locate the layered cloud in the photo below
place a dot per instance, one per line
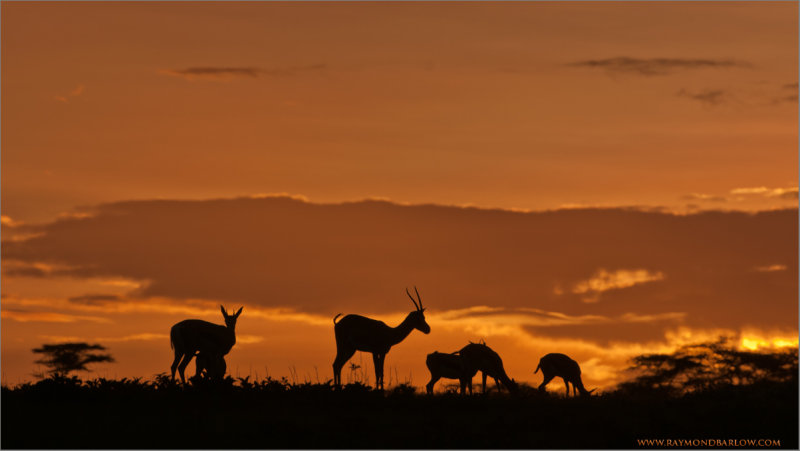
(771, 268)
(274, 255)
(704, 197)
(224, 73)
(94, 298)
(658, 66)
(707, 96)
(789, 93)
(77, 91)
(759, 195)
(6, 221)
(783, 193)
(111, 339)
(25, 316)
(604, 280)
(732, 93)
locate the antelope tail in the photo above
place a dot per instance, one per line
(537, 367)
(334, 318)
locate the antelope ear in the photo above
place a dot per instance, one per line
(224, 313)
(239, 312)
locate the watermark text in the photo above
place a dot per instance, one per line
(708, 443)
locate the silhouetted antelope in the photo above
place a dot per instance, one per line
(212, 363)
(359, 333)
(448, 366)
(479, 357)
(192, 335)
(560, 365)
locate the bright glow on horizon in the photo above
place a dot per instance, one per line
(549, 186)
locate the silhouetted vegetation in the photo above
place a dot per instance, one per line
(66, 412)
(64, 358)
(707, 366)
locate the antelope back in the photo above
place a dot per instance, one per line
(478, 356)
(562, 366)
(483, 358)
(197, 335)
(445, 365)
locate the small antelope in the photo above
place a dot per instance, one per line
(359, 333)
(212, 363)
(192, 335)
(479, 357)
(448, 366)
(560, 365)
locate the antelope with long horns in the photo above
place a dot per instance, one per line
(359, 333)
(192, 335)
(559, 365)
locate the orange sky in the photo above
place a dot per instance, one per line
(539, 108)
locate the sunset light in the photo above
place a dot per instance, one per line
(755, 344)
(611, 181)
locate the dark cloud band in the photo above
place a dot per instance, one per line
(657, 66)
(209, 72)
(359, 257)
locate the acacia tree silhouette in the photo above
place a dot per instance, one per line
(64, 358)
(707, 366)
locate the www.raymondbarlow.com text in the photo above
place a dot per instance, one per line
(711, 443)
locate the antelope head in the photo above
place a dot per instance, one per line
(417, 317)
(230, 320)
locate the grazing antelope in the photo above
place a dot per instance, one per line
(192, 335)
(359, 333)
(560, 365)
(212, 363)
(479, 357)
(448, 366)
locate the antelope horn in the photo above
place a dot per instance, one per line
(419, 298)
(412, 299)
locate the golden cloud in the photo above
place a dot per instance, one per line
(604, 280)
(245, 339)
(124, 338)
(49, 317)
(771, 268)
(8, 222)
(75, 92)
(783, 193)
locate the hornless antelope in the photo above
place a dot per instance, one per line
(479, 357)
(359, 333)
(192, 335)
(560, 365)
(448, 366)
(212, 363)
